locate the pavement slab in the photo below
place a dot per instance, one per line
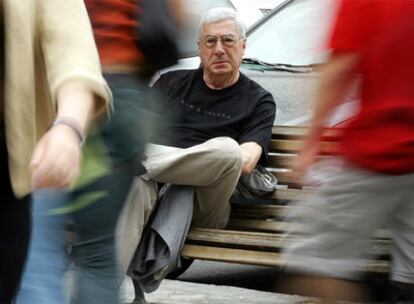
(179, 292)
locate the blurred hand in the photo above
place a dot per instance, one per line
(56, 160)
(306, 158)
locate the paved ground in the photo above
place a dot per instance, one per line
(178, 292)
(181, 292)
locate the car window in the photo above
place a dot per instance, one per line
(294, 35)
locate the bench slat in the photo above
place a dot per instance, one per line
(258, 240)
(300, 132)
(261, 258)
(254, 240)
(293, 146)
(289, 131)
(280, 226)
(281, 161)
(231, 255)
(264, 211)
(259, 225)
(285, 194)
(291, 194)
(285, 161)
(286, 178)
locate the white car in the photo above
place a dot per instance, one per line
(265, 6)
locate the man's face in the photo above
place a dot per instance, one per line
(221, 48)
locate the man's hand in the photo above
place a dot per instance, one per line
(56, 159)
(251, 153)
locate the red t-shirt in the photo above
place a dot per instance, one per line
(381, 137)
(114, 24)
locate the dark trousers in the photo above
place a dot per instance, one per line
(14, 232)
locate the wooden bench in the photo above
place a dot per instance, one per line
(256, 231)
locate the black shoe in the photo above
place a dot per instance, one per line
(139, 301)
(139, 294)
(400, 295)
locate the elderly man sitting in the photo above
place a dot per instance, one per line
(221, 129)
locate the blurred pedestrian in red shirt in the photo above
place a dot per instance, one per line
(372, 181)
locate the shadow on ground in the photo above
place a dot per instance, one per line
(269, 278)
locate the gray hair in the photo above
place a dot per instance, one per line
(218, 14)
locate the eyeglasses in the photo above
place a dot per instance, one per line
(226, 40)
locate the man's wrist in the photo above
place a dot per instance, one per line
(73, 124)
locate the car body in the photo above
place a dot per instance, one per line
(266, 6)
(285, 52)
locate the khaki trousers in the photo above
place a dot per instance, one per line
(213, 167)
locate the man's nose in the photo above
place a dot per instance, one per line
(219, 48)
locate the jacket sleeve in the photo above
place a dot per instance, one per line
(69, 49)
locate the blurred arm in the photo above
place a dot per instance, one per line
(178, 11)
(76, 86)
(336, 77)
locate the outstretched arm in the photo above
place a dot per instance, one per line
(336, 77)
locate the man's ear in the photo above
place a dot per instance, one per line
(244, 45)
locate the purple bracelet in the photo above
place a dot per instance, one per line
(71, 123)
